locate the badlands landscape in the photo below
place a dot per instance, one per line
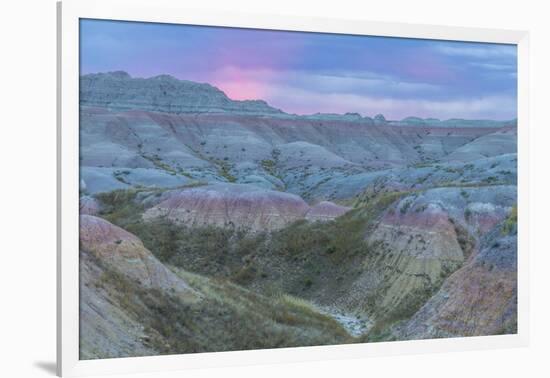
(209, 224)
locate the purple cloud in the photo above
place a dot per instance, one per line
(315, 72)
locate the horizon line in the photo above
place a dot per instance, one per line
(362, 115)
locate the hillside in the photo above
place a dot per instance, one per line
(209, 224)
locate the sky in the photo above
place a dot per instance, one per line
(306, 73)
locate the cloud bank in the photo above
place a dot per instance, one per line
(306, 73)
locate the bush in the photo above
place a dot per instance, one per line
(225, 171)
(511, 222)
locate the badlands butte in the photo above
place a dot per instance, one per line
(209, 224)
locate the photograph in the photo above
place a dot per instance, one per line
(246, 189)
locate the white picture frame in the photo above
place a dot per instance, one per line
(165, 11)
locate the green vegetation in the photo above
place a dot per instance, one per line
(297, 259)
(465, 240)
(377, 264)
(120, 207)
(158, 163)
(385, 322)
(227, 317)
(209, 250)
(511, 222)
(225, 171)
(306, 259)
(183, 173)
(231, 253)
(269, 166)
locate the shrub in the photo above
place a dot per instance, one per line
(224, 171)
(511, 222)
(245, 275)
(269, 166)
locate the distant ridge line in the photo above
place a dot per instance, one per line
(118, 90)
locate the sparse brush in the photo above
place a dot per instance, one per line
(511, 222)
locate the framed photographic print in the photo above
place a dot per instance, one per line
(240, 189)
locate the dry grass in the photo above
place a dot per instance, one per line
(237, 310)
(227, 317)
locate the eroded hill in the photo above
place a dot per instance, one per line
(210, 224)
